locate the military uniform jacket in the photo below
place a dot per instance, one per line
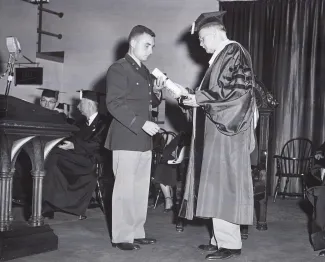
(129, 99)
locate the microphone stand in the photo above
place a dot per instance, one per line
(10, 71)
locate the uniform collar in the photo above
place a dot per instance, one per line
(132, 61)
(143, 71)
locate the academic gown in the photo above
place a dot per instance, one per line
(321, 162)
(219, 181)
(70, 174)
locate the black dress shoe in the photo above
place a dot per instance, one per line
(208, 248)
(322, 253)
(126, 246)
(144, 241)
(224, 253)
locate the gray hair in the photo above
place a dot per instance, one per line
(92, 104)
(216, 25)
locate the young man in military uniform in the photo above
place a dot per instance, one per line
(131, 95)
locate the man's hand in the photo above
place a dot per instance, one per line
(150, 128)
(58, 110)
(190, 101)
(318, 156)
(184, 91)
(67, 145)
(159, 84)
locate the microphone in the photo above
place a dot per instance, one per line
(13, 46)
(14, 50)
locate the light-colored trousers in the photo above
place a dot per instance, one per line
(130, 194)
(226, 234)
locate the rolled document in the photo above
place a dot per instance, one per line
(170, 85)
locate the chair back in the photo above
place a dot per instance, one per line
(296, 157)
(160, 141)
(181, 154)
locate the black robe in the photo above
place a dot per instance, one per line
(219, 181)
(70, 177)
(321, 162)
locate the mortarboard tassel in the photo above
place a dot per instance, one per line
(193, 28)
(80, 94)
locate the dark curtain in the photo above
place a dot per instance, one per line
(286, 39)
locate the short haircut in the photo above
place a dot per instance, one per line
(215, 25)
(139, 30)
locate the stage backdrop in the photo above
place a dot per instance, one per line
(286, 40)
(94, 36)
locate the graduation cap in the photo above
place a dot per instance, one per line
(206, 19)
(50, 92)
(91, 95)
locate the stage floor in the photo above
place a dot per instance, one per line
(88, 240)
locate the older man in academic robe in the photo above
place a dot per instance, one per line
(224, 118)
(70, 169)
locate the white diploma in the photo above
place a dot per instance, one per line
(170, 85)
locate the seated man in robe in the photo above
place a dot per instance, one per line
(70, 168)
(319, 162)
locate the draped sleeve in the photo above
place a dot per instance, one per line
(228, 102)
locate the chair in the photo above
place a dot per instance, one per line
(322, 172)
(98, 190)
(259, 188)
(160, 142)
(181, 154)
(295, 161)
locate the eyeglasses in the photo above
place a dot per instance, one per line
(51, 102)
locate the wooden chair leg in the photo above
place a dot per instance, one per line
(277, 188)
(285, 188)
(303, 185)
(180, 225)
(261, 223)
(244, 232)
(99, 197)
(157, 198)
